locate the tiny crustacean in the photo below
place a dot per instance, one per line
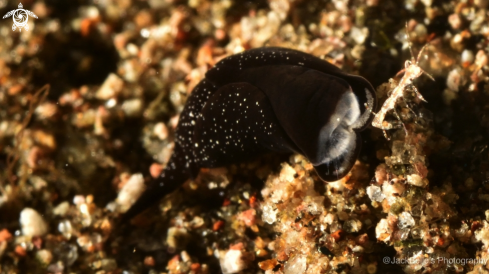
(411, 71)
(267, 99)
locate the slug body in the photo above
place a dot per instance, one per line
(267, 99)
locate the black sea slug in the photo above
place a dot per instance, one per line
(267, 99)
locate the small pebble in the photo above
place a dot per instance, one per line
(130, 192)
(467, 57)
(359, 34)
(149, 261)
(61, 209)
(455, 79)
(177, 237)
(161, 131)
(78, 200)
(416, 180)
(32, 223)
(232, 262)
(455, 21)
(65, 228)
(44, 256)
(405, 220)
(132, 107)
(155, 170)
(296, 265)
(110, 88)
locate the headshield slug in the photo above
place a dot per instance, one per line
(267, 99)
